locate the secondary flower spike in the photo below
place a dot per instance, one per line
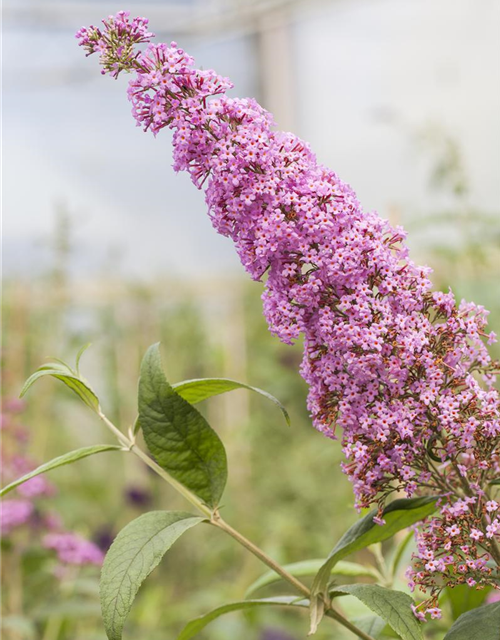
(401, 371)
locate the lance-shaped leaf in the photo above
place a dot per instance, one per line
(316, 613)
(69, 377)
(196, 625)
(483, 623)
(310, 568)
(60, 461)
(398, 515)
(136, 551)
(463, 598)
(394, 607)
(79, 355)
(195, 391)
(180, 439)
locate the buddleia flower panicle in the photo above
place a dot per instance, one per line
(116, 42)
(400, 372)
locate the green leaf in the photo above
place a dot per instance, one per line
(178, 436)
(63, 373)
(372, 625)
(196, 625)
(394, 607)
(79, 355)
(136, 551)
(397, 515)
(401, 548)
(495, 481)
(137, 426)
(483, 623)
(195, 391)
(463, 598)
(60, 461)
(310, 568)
(316, 613)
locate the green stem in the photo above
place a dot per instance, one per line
(218, 522)
(283, 573)
(215, 519)
(122, 438)
(335, 615)
(129, 444)
(190, 497)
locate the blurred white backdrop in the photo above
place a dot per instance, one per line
(361, 80)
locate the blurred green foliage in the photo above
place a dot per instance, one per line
(285, 487)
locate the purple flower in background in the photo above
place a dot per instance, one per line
(138, 497)
(4, 421)
(38, 486)
(73, 549)
(9, 407)
(52, 521)
(15, 405)
(14, 513)
(401, 370)
(17, 464)
(104, 537)
(70, 548)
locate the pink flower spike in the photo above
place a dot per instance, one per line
(73, 549)
(398, 371)
(14, 513)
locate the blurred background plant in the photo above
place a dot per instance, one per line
(85, 281)
(44, 564)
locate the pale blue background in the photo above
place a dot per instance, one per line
(368, 76)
